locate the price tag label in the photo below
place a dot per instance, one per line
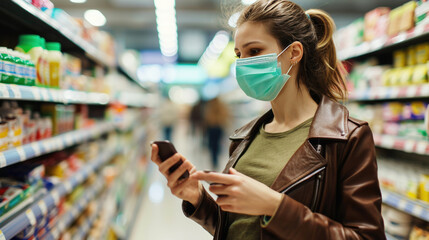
(60, 144)
(36, 148)
(419, 30)
(388, 142)
(2, 237)
(425, 90)
(409, 145)
(36, 93)
(30, 215)
(412, 91)
(4, 92)
(56, 196)
(21, 153)
(3, 162)
(68, 186)
(421, 147)
(395, 92)
(47, 145)
(69, 139)
(43, 207)
(45, 94)
(417, 210)
(402, 204)
(16, 91)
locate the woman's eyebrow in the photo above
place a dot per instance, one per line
(247, 44)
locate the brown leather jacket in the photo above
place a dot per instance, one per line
(330, 183)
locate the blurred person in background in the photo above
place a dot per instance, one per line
(216, 118)
(196, 118)
(305, 169)
(169, 114)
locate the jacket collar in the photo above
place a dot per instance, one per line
(329, 122)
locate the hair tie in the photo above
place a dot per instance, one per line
(308, 15)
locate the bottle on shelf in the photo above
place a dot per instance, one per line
(54, 60)
(32, 45)
(43, 65)
(6, 76)
(4, 134)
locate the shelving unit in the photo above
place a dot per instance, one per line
(390, 93)
(53, 144)
(385, 44)
(418, 209)
(28, 218)
(32, 18)
(402, 144)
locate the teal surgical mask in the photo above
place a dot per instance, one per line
(261, 77)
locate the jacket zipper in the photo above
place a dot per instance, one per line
(303, 179)
(316, 193)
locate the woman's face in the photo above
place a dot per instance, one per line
(252, 39)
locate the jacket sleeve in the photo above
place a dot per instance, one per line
(205, 214)
(358, 207)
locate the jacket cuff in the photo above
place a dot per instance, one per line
(265, 220)
(287, 209)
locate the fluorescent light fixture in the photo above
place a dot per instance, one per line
(233, 19)
(166, 24)
(248, 2)
(95, 17)
(78, 1)
(215, 48)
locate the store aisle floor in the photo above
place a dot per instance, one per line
(160, 216)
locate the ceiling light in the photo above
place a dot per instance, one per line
(95, 17)
(78, 1)
(233, 19)
(248, 2)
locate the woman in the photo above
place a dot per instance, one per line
(305, 169)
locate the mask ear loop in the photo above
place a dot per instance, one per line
(293, 64)
(284, 50)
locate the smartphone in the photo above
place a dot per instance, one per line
(166, 150)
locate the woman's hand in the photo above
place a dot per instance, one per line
(188, 189)
(239, 193)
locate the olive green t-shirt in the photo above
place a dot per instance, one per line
(265, 158)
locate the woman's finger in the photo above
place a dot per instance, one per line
(154, 156)
(214, 177)
(220, 189)
(173, 179)
(167, 164)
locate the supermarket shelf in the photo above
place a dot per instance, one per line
(40, 94)
(60, 142)
(402, 144)
(415, 208)
(84, 230)
(36, 20)
(28, 218)
(377, 45)
(390, 93)
(71, 215)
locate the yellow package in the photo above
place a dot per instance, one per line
(395, 76)
(406, 76)
(422, 53)
(411, 56)
(394, 22)
(407, 16)
(420, 74)
(385, 78)
(399, 59)
(424, 188)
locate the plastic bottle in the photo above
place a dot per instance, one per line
(44, 65)
(31, 71)
(31, 44)
(4, 134)
(1, 62)
(7, 66)
(54, 60)
(19, 77)
(19, 124)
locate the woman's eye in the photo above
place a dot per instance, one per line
(238, 55)
(254, 52)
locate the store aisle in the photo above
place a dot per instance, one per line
(160, 215)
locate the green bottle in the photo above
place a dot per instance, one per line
(2, 62)
(9, 67)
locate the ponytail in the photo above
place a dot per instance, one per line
(324, 27)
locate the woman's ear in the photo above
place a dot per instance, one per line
(296, 52)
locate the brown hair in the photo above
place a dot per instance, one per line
(319, 71)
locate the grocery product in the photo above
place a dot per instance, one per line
(418, 233)
(31, 44)
(376, 23)
(54, 61)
